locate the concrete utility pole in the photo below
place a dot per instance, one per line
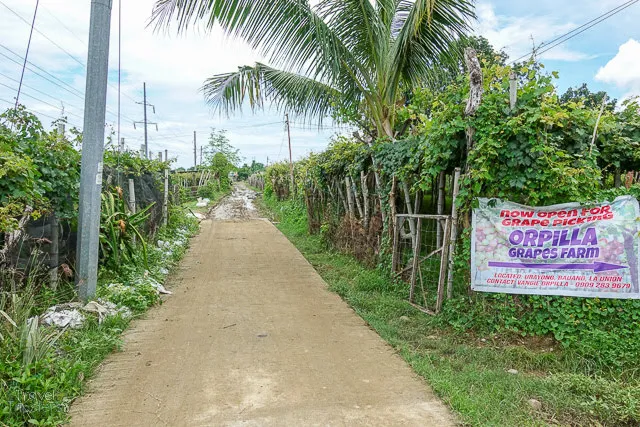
(145, 121)
(201, 155)
(95, 105)
(195, 151)
(293, 181)
(165, 201)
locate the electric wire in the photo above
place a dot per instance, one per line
(69, 54)
(40, 100)
(578, 30)
(38, 112)
(38, 91)
(67, 87)
(24, 65)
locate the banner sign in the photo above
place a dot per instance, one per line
(569, 249)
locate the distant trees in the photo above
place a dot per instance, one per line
(590, 99)
(247, 170)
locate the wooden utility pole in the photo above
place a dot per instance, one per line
(293, 181)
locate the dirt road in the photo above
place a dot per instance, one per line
(252, 337)
(238, 206)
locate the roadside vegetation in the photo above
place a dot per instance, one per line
(51, 343)
(490, 375)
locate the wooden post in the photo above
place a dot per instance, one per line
(392, 201)
(53, 253)
(132, 201)
(454, 231)
(440, 208)
(513, 90)
(595, 129)
(475, 92)
(443, 266)
(407, 201)
(396, 245)
(416, 259)
(132, 197)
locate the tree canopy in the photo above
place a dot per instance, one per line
(351, 58)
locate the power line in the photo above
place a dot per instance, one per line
(579, 30)
(24, 65)
(82, 64)
(72, 90)
(37, 112)
(41, 33)
(37, 90)
(590, 26)
(57, 82)
(39, 100)
(64, 25)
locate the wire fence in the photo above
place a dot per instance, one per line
(420, 258)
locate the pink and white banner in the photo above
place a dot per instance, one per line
(569, 249)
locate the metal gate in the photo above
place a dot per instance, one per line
(420, 257)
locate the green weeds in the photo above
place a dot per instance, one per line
(42, 369)
(467, 361)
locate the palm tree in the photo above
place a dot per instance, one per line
(352, 57)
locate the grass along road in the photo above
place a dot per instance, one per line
(470, 373)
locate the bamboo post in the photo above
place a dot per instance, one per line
(352, 212)
(454, 231)
(365, 198)
(356, 196)
(53, 252)
(595, 129)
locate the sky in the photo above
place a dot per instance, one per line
(174, 67)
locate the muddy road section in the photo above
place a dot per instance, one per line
(252, 337)
(238, 206)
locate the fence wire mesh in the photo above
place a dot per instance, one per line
(420, 251)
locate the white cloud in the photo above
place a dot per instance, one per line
(623, 70)
(516, 35)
